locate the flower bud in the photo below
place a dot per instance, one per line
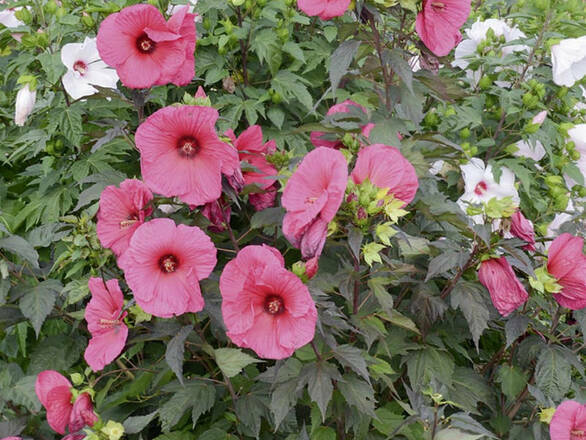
(25, 101)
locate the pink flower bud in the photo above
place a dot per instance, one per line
(506, 291)
(539, 117)
(311, 267)
(523, 229)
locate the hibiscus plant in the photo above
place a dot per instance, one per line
(292, 219)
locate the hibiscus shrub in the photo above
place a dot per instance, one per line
(319, 219)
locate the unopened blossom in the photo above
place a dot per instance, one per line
(567, 263)
(480, 185)
(265, 307)
(319, 138)
(506, 291)
(164, 264)
(568, 59)
(523, 229)
(539, 118)
(439, 22)
(324, 9)
(25, 102)
(122, 210)
(105, 317)
(312, 197)
(145, 49)
(568, 421)
(254, 151)
(85, 69)
(8, 18)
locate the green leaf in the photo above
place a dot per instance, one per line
(204, 397)
(276, 116)
(444, 262)
(580, 316)
(512, 380)
(358, 393)
(429, 364)
(52, 65)
(574, 172)
(468, 298)
(352, 357)
(384, 298)
(175, 350)
(23, 393)
(319, 384)
(70, 124)
(59, 352)
(341, 60)
(553, 373)
(39, 301)
(394, 58)
(22, 248)
(133, 425)
(267, 217)
(232, 360)
(400, 320)
(323, 433)
(283, 399)
(468, 389)
(294, 50)
(249, 409)
(171, 411)
(454, 433)
(515, 326)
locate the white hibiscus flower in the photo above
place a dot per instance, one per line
(568, 59)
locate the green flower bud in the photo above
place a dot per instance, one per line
(60, 12)
(76, 379)
(465, 133)
(561, 202)
(24, 15)
(237, 2)
(554, 181)
(87, 20)
(51, 7)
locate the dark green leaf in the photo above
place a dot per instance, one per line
(468, 297)
(175, 350)
(341, 60)
(39, 301)
(553, 373)
(22, 248)
(358, 393)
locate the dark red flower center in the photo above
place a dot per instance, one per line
(437, 6)
(129, 221)
(109, 323)
(144, 44)
(274, 305)
(188, 146)
(81, 67)
(480, 188)
(168, 263)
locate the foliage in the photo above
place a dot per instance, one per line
(408, 344)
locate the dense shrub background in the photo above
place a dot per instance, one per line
(409, 347)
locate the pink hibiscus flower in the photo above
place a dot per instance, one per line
(252, 150)
(146, 50)
(266, 307)
(181, 154)
(439, 23)
(567, 263)
(568, 421)
(385, 167)
(324, 9)
(318, 137)
(122, 210)
(105, 322)
(54, 393)
(506, 291)
(312, 197)
(523, 229)
(163, 266)
(218, 213)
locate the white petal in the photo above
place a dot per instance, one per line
(89, 51)
(577, 134)
(472, 173)
(25, 102)
(101, 75)
(535, 152)
(76, 86)
(465, 49)
(70, 54)
(8, 19)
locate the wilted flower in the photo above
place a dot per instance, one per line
(506, 291)
(54, 393)
(85, 68)
(122, 210)
(568, 59)
(104, 317)
(439, 22)
(312, 197)
(164, 264)
(568, 421)
(146, 50)
(265, 307)
(25, 101)
(567, 263)
(324, 9)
